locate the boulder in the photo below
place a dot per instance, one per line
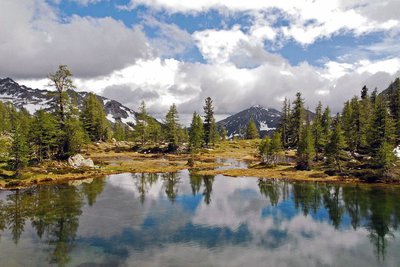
(396, 151)
(79, 161)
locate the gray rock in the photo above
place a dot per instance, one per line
(78, 161)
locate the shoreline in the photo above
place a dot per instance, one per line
(206, 163)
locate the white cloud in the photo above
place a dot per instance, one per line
(35, 41)
(122, 63)
(309, 20)
(85, 2)
(233, 88)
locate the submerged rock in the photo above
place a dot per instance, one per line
(79, 161)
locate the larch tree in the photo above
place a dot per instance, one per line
(119, 131)
(382, 129)
(251, 130)
(141, 127)
(223, 133)
(94, 119)
(317, 131)
(305, 148)
(210, 128)
(335, 147)
(196, 133)
(172, 128)
(44, 135)
(62, 81)
(20, 147)
(297, 120)
(285, 122)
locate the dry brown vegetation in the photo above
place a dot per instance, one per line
(119, 158)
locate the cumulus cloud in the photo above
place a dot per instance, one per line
(170, 40)
(122, 63)
(309, 20)
(35, 41)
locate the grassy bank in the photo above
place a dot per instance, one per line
(119, 158)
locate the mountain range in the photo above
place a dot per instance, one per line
(35, 99)
(266, 120)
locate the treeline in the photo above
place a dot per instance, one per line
(54, 134)
(362, 136)
(200, 134)
(63, 130)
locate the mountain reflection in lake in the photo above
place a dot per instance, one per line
(179, 219)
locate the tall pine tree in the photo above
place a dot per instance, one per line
(172, 128)
(335, 147)
(210, 128)
(251, 130)
(94, 119)
(196, 133)
(141, 127)
(305, 149)
(296, 120)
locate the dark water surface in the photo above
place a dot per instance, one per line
(188, 220)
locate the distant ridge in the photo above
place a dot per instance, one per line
(35, 99)
(266, 120)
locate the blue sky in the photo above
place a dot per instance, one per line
(316, 53)
(240, 53)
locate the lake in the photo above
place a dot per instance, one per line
(179, 219)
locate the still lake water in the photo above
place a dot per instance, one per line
(187, 220)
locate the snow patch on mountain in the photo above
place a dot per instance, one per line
(264, 126)
(34, 99)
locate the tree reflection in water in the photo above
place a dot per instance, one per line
(376, 209)
(54, 211)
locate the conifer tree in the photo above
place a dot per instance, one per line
(326, 123)
(223, 134)
(381, 127)
(172, 128)
(366, 113)
(364, 93)
(214, 134)
(154, 131)
(19, 148)
(285, 122)
(75, 136)
(5, 123)
(385, 158)
(297, 120)
(141, 127)
(94, 119)
(305, 149)
(373, 97)
(251, 130)
(209, 122)
(265, 151)
(44, 135)
(351, 124)
(61, 80)
(183, 136)
(196, 133)
(335, 147)
(119, 131)
(394, 104)
(317, 131)
(276, 146)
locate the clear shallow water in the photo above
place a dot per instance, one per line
(186, 220)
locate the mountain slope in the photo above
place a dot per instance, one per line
(266, 119)
(395, 85)
(35, 99)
